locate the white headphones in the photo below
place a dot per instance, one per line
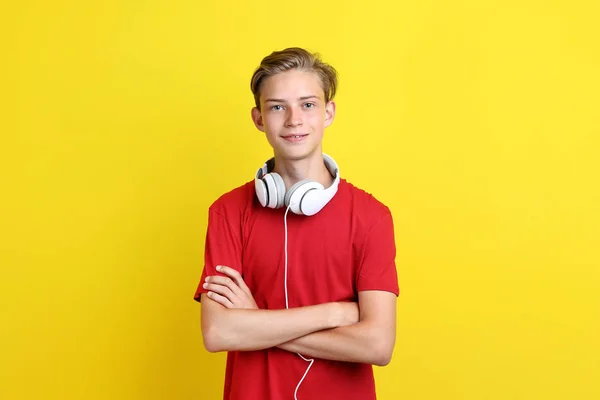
(304, 198)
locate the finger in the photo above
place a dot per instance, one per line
(222, 290)
(244, 288)
(224, 281)
(221, 280)
(220, 299)
(233, 274)
(230, 272)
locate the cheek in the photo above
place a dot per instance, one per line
(271, 120)
(318, 119)
(272, 127)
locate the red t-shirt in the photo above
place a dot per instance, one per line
(345, 248)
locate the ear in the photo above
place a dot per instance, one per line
(329, 113)
(258, 119)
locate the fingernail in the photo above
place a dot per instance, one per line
(218, 267)
(205, 285)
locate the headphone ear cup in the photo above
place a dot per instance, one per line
(280, 187)
(294, 196)
(312, 202)
(271, 190)
(261, 192)
(292, 190)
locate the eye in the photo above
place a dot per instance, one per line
(276, 107)
(309, 105)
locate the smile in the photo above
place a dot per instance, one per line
(295, 138)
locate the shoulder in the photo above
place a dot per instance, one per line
(234, 202)
(364, 205)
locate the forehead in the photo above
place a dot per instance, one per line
(291, 84)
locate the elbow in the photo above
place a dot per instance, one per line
(216, 341)
(213, 342)
(213, 326)
(212, 347)
(382, 360)
(382, 354)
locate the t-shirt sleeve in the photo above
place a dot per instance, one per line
(223, 247)
(377, 269)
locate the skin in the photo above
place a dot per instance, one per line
(293, 102)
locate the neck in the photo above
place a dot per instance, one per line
(312, 167)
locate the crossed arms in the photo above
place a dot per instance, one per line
(362, 332)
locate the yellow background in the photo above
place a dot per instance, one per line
(475, 121)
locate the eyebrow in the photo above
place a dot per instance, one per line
(283, 101)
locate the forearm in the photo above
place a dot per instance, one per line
(245, 329)
(359, 343)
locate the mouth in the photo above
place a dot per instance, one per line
(294, 138)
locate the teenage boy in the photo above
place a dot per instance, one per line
(299, 284)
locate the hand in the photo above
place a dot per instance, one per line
(230, 290)
(348, 314)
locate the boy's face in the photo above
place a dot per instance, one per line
(293, 114)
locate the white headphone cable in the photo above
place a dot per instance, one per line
(309, 360)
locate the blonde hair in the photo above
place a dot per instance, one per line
(295, 58)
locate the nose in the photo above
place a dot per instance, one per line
(293, 117)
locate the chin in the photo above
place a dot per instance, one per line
(296, 154)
